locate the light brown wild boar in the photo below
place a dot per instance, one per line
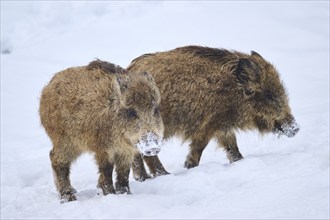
(211, 93)
(100, 108)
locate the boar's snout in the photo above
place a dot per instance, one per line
(150, 144)
(289, 128)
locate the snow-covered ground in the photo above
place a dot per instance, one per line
(278, 179)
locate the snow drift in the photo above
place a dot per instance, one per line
(279, 178)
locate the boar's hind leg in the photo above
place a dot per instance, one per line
(61, 170)
(155, 166)
(139, 171)
(105, 182)
(228, 141)
(196, 150)
(123, 166)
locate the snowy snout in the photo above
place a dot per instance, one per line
(293, 129)
(288, 129)
(150, 144)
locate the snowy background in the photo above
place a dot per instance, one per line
(278, 179)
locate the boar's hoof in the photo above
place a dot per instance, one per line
(141, 177)
(190, 164)
(122, 190)
(161, 172)
(235, 157)
(67, 196)
(106, 189)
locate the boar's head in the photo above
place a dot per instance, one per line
(139, 114)
(266, 100)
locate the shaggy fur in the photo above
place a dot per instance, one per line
(211, 93)
(98, 108)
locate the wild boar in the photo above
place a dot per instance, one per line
(211, 93)
(100, 108)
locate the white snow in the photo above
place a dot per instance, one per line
(286, 178)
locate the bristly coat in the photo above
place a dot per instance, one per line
(211, 93)
(102, 109)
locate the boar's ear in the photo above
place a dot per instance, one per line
(148, 76)
(116, 93)
(247, 73)
(255, 54)
(122, 81)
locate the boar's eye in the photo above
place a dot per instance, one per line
(249, 92)
(157, 112)
(269, 96)
(131, 113)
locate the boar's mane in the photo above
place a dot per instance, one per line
(107, 67)
(213, 54)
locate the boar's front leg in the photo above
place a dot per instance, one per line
(105, 173)
(123, 166)
(228, 141)
(155, 166)
(139, 171)
(196, 149)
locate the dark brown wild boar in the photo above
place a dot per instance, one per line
(211, 93)
(100, 108)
